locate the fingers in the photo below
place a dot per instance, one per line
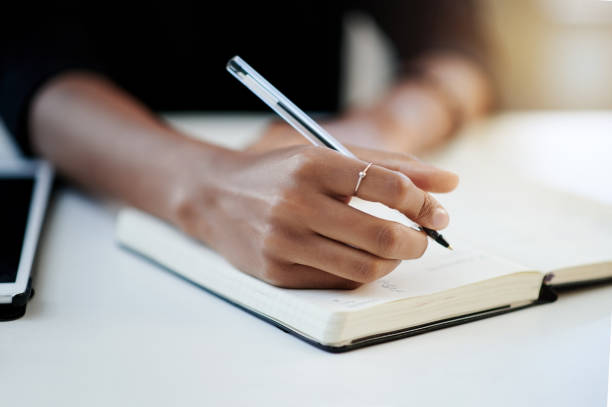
(338, 259)
(397, 191)
(310, 238)
(425, 176)
(290, 275)
(382, 238)
(389, 187)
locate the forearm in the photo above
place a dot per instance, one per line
(443, 74)
(419, 112)
(100, 137)
(424, 108)
(459, 80)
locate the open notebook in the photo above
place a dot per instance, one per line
(528, 241)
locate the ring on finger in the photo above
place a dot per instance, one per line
(362, 174)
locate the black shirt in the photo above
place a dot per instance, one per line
(172, 56)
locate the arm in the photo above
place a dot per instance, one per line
(423, 110)
(280, 215)
(442, 68)
(105, 140)
(442, 80)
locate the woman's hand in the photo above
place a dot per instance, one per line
(279, 215)
(282, 216)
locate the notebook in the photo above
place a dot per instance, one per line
(515, 244)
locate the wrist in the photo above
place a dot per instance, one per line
(198, 175)
(276, 135)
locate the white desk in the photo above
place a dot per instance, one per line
(107, 328)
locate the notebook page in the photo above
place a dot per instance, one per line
(501, 209)
(542, 228)
(439, 269)
(168, 247)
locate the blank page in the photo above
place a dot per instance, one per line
(542, 228)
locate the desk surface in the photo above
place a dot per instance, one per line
(106, 327)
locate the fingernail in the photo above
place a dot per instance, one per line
(440, 218)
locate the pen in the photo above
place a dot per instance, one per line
(297, 118)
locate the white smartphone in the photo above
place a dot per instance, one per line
(24, 193)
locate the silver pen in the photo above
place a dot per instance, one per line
(296, 117)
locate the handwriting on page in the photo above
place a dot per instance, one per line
(454, 261)
(437, 271)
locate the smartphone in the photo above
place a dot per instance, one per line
(24, 193)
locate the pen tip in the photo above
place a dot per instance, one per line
(450, 247)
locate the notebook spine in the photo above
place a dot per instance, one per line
(547, 294)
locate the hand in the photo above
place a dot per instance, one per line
(282, 216)
(359, 129)
(415, 115)
(410, 118)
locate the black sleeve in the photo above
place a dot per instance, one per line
(36, 45)
(416, 27)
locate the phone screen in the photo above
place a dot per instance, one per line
(15, 200)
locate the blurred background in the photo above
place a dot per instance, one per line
(551, 54)
(545, 54)
(547, 57)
